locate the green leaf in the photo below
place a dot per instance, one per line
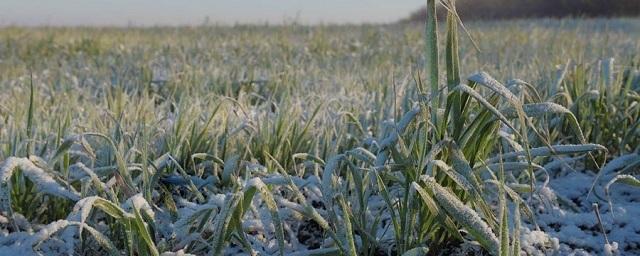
(257, 184)
(418, 251)
(221, 223)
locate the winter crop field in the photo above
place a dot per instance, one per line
(492, 138)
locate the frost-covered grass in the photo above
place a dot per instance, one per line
(321, 140)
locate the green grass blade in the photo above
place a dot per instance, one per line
(465, 216)
(256, 183)
(431, 44)
(348, 230)
(221, 223)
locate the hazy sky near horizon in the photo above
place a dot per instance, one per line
(194, 12)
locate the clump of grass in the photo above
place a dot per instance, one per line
(227, 152)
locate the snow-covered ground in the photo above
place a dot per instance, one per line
(568, 224)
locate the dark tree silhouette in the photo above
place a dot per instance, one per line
(514, 9)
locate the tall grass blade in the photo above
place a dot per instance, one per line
(465, 216)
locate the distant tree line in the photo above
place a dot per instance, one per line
(514, 9)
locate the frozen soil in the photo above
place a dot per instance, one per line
(567, 217)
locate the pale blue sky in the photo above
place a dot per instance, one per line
(184, 12)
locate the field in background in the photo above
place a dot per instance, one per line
(169, 125)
